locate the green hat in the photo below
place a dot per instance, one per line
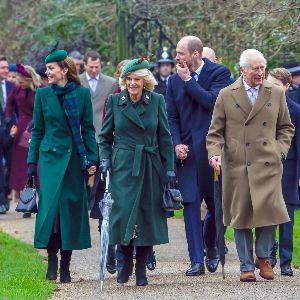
(56, 55)
(135, 64)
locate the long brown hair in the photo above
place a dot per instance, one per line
(72, 72)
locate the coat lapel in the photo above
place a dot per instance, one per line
(241, 98)
(56, 108)
(128, 110)
(203, 76)
(263, 97)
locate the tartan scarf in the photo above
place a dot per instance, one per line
(70, 106)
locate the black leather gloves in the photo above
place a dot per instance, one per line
(104, 167)
(32, 171)
(172, 182)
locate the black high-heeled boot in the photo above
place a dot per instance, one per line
(127, 267)
(65, 276)
(52, 264)
(140, 266)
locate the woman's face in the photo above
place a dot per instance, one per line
(55, 74)
(24, 82)
(134, 85)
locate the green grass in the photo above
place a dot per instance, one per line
(296, 252)
(22, 271)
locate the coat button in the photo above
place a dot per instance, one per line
(54, 149)
(264, 123)
(246, 124)
(247, 144)
(267, 163)
(269, 104)
(69, 150)
(237, 106)
(248, 164)
(265, 143)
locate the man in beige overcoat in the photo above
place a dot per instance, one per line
(251, 131)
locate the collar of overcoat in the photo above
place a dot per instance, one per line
(242, 100)
(54, 105)
(133, 114)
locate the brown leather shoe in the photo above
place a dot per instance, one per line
(247, 277)
(265, 267)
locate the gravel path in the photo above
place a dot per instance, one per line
(167, 281)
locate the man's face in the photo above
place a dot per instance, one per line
(254, 74)
(183, 54)
(92, 67)
(296, 79)
(3, 69)
(165, 69)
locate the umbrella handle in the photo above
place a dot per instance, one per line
(223, 271)
(107, 181)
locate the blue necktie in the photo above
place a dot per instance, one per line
(193, 74)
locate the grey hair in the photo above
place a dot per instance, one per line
(247, 55)
(149, 80)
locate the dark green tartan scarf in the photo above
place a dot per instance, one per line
(70, 105)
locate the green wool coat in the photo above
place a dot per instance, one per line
(62, 182)
(137, 140)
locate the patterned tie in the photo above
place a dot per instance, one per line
(194, 74)
(2, 96)
(93, 84)
(252, 95)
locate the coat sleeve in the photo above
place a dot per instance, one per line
(215, 137)
(11, 104)
(173, 115)
(38, 130)
(164, 137)
(106, 136)
(207, 98)
(297, 138)
(88, 130)
(284, 127)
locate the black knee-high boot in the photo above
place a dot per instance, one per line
(65, 276)
(127, 267)
(140, 266)
(52, 250)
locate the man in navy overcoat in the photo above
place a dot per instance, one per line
(191, 96)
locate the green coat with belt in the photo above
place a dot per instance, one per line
(62, 182)
(137, 140)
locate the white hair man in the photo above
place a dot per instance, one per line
(251, 130)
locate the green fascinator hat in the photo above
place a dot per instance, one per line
(135, 64)
(56, 55)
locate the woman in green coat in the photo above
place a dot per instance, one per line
(63, 142)
(135, 144)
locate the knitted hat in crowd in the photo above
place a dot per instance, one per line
(135, 64)
(56, 55)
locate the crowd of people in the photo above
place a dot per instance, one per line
(170, 123)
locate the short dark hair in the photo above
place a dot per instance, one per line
(94, 55)
(2, 57)
(281, 74)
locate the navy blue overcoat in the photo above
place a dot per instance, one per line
(291, 166)
(189, 106)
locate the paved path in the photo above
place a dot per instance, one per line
(167, 281)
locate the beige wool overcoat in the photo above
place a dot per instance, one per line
(252, 141)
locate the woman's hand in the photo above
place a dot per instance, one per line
(92, 167)
(13, 131)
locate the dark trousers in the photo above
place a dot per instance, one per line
(55, 244)
(286, 238)
(193, 229)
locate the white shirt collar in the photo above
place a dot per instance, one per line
(88, 77)
(198, 71)
(164, 78)
(248, 87)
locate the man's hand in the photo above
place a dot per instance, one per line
(181, 151)
(183, 71)
(215, 162)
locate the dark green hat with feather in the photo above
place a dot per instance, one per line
(56, 55)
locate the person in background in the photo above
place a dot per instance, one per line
(21, 101)
(78, 60)
(136, 146)
(291, 173)
(165, 64)
(249, 137)
(12, 75)
(63, 143)
(294, 89)
(210, 54)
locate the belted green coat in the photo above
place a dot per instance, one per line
(62, 182)
(137, 140)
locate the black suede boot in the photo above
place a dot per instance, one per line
(52, 264)
(127, 267)
(65, 276)
(140, 266)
